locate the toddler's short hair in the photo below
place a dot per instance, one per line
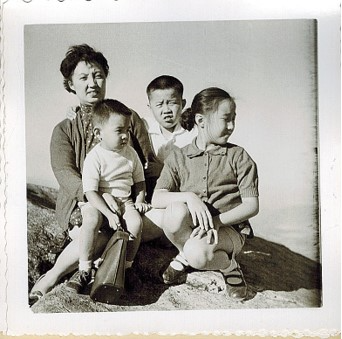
(103, 109)
(165, 82)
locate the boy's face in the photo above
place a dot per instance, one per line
(166, 106)
(220, 125)
(114, 133)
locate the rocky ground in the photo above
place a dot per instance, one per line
(276, 276)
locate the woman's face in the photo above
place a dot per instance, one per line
(89, 82)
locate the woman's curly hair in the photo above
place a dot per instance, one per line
(78, 53)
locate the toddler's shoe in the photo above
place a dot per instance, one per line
(79, 281)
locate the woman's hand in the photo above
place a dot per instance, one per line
(71, 112)
(199, 212)
(142, 207)
(111, 203)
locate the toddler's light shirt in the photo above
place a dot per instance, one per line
(112, 172)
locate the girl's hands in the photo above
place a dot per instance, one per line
(212, 234)
(200, 213)
(142, 207)
(71, 112)
(201, 217)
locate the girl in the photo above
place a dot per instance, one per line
(209, 190)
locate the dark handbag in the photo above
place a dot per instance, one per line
(110, 277)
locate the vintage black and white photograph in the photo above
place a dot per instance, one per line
(264, 195)
(172, 166)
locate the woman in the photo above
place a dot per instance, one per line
(85, 73)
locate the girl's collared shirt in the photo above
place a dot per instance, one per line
(220, 177)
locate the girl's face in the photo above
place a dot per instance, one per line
(114, 133)
(218, 126)
(89, 82)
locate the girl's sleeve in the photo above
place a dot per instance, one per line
(63, 162)
(247, 175)
(169, 176)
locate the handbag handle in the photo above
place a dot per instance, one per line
(120, 233)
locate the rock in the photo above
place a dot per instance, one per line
(276, 276)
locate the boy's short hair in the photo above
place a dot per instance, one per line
(103, 109)
(165, 82)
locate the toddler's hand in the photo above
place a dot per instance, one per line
(114, 221)
(142, 207)
(71, 113)
(112, 203)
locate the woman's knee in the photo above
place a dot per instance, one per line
(197, 253)
(176, 214)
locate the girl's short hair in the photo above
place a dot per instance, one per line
(204, 102)
(103, 109)
(78, 53)
(165, 82)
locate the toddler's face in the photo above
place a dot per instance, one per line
(220, 125)
(166, 106)
(114, 133)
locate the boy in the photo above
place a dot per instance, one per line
(110, 170)
(165, 97)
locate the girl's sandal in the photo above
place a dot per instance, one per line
(236, 286)
(171, 276)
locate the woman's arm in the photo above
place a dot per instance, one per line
(63, 162)
(140, 139)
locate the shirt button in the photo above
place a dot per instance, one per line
(204, 191)
(204, 178)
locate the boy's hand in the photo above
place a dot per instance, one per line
(71, 112)
(142, 207)
(112, 203)
(114, 221)
(200, 213)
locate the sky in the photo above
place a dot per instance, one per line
(268, 66)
